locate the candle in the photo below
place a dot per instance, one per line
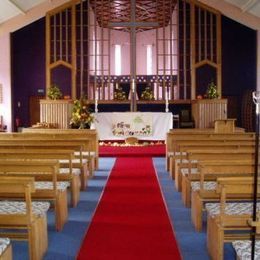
(133, 85)
(96, 101)
(166, 101)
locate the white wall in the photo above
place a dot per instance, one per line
(5, 79)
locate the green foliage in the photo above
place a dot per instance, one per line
(212, 90)
(119, 94)
(81, 114)
(147, 94)
(54, 92)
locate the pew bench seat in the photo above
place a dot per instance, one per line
(5, 249)
(207, 185)
(47, 185)
(231, 208)
(39, 208)
(243, 249)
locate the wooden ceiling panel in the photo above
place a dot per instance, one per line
(107, 11)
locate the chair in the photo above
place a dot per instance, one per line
(185, 119)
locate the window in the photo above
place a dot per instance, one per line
(149, 60)
(118, 59)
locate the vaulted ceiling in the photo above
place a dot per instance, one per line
(146, 10)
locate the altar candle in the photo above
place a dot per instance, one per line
(133, 85)
(166, 101)
(96, 101)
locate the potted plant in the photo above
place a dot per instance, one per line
(147, 94)
(54, 92)
(212, 91)
(81, 114)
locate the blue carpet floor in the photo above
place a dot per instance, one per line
(65, 245)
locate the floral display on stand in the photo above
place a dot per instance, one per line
(81, 114)
(119, 94)
(147, 94)
(54, 92)
(212, 91)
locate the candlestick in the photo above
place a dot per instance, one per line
(96, 101)
(166, 102)
(133, 85)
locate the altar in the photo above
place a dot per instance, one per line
(142, 125)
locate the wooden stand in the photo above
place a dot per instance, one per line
(206, 111)
(56, 112)
(225, 125)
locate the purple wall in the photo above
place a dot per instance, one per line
(28, 67)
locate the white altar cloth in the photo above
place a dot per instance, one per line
(161, 124)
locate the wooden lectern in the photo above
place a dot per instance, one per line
(206, 111)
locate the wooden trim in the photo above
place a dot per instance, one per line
(62, 7)
(60, 62)
(204, 62)
(193, 50)
(47, 53)
(219, 58)
(204, 6)
(74, 54)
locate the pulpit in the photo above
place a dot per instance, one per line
(206, 111)
(56, 112)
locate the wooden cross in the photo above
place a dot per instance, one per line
(133, 25)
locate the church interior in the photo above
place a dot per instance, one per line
(129, 129)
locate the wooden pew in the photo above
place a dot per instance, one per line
(205, 191)
(187, 178)
(79, 139)
(89, 134)
(28, 216)
(192, 156)
(173, 136)
(181, 146)
(59, 154)
(76, 145)
(40, 170)
(5, 249)
(223, 217)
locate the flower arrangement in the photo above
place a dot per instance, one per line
(81, 114)
(147, 94)
(212, 91)
(119, 94)
(54, 92)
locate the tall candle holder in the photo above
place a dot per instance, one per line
(166, 101)
(96, 101)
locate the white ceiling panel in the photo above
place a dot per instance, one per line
(250, 6)
(7, 10)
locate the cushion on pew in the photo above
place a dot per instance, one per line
(85, 153)
(18, 207)
(48, 185)
(207, 185)
(75, 171)
(73, 161)
(235, 208)
(243, 249)
(4, 242)
(186, 171)
(185, 161)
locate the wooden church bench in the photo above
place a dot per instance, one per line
(77, 146)
(187, 162)
(46, 186)
(201, 144)
(90, 134)
(188, 176)
(5, 249)
(205, 191)
(173, 137)
(24, 215)
(65, 174)
(227, 222)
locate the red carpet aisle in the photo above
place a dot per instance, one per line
(130, 151)
(131, 221)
